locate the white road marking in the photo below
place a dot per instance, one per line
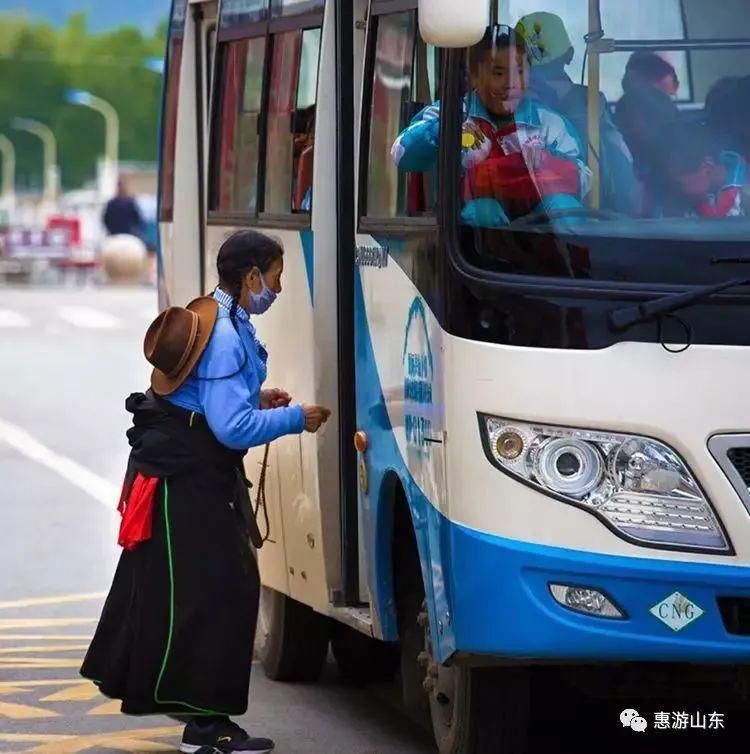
(62, 599)
(96, 487)
(87, 318)
(9, 318)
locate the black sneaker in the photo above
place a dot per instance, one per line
(223, 737)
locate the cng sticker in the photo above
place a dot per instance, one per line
(676, 611)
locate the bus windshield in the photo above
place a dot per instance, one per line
(607, 140)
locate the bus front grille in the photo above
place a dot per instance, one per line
(735, 612)
(740, 457)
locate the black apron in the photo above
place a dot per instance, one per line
(177, 630)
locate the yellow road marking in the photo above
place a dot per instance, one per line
(83, 692)
(61, 600)
(24, 711)
(110, 707)
(58, 648)
(131, 740)
(7, 624)
(135, 744)
(15, 690)
(45, 637)
(17, 663)
(32, 738)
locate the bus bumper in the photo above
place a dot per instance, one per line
(502, 604)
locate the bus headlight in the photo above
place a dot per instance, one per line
(639, 487)
(570, 467)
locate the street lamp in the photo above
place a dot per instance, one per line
(51, 170)
(9, 171)
(112, 120)
(155, 64)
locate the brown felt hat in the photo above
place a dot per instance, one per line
(175, 341)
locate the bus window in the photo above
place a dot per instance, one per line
(635, 19)
(211, 42)
(291, 122)
(281, 96)
(294, 7)
(544, 152)
(304, 125)
(404, 92)
(169, 115)
(235, 163)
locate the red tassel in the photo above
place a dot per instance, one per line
(137, 511)
(724, 203)
(510, 179)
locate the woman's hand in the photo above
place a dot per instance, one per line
(315, 416)
(274, 398)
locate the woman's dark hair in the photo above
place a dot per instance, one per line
(727, 112)
(646, 69)
(688, 146)
(239, 254)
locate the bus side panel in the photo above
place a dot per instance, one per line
(288, 332)
(400, 407)
(272, 556)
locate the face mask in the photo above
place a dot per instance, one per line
(260, 302)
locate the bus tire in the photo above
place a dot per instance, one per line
(475, 710)
(362, 659)
(292, 638)
(490, 713)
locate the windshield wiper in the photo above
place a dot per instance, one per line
(627, 316)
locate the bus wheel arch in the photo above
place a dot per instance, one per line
(408, 599)
(469, 710)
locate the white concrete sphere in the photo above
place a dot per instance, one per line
(123, 258)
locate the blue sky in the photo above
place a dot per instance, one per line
(103, 14)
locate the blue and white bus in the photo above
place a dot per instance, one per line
(516, 268)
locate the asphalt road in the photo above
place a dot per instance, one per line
(68, 359)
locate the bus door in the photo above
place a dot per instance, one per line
(399, 364)
(205, 18)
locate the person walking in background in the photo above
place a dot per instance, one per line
(121, 215)
(177, 630)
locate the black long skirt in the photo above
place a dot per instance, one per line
(177, 630)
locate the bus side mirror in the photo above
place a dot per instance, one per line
(453, 23)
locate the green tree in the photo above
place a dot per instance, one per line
(38, 64)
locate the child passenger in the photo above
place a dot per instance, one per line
(699, 178)
(517, 155)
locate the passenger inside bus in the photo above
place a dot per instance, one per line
(551, 55)
(517, 154)
(728, 113)
(303, 144)
(647, 111)
(699, 178)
